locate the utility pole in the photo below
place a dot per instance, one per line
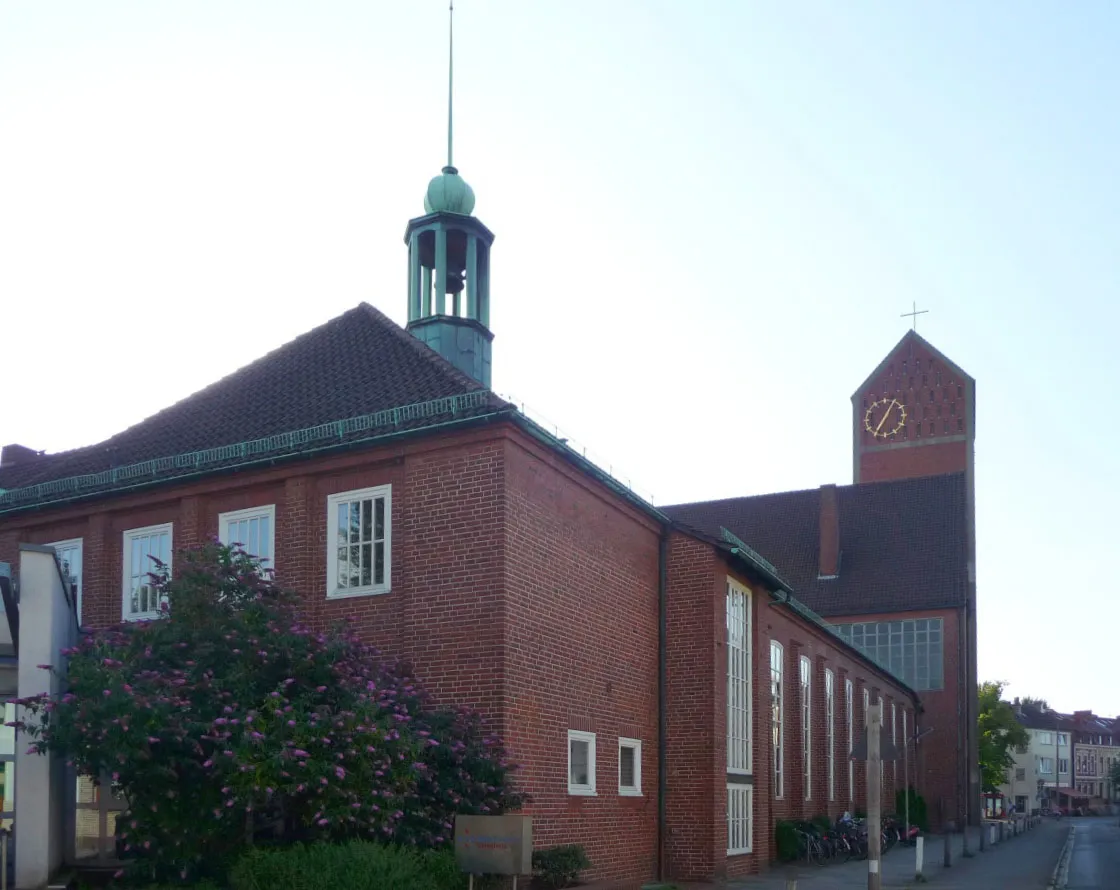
(906, 774)
(874, 793)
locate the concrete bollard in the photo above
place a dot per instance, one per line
(919, 856)
(948, 852)
(791, 883)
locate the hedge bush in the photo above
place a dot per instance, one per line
(358, 865)
(560, 866)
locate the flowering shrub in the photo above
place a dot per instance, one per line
(230, 722)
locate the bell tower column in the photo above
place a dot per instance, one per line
(450, 249)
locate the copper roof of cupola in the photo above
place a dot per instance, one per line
(360, 373)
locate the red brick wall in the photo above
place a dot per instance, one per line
(940, 761)
(696, 841)
(697, 749)
(519, 587)
(933, 392)
(581, 625)
(931, 458)
(777, 622)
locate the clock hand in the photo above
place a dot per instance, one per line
(886, 414)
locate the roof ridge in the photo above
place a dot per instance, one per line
(846, 486)
(209, 386)
(421, 349)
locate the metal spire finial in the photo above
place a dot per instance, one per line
(450, 71)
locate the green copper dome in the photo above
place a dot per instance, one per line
(449, 193)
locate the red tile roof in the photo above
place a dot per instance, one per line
(356, 364)
(902, 543)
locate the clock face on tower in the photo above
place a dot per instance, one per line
(884, 418)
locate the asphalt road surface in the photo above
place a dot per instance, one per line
(1095, 862)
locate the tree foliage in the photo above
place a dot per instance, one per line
(230, 722)
(1040, 703)
(999, 733)
(1114, 774)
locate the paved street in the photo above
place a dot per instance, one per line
(1025, 862)
(1095, 863)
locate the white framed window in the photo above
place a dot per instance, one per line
(254, 529)
(142, 547)
(777, 716)
(358, 542)
(629, 767)
(830, 729)
(69, 555)
(739, 699)
(905, 741)
(581, 762)
(740, 824)
(849, 707)
(8, 736)
(882, 725)
(806, 671)
(894, 741)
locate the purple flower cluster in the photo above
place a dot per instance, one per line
(233, 707)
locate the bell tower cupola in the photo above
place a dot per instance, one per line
(449, 268)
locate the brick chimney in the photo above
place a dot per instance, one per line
(10, 455)
(830, 534)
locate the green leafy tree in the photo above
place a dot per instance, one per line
(230, 722)
(1000, 732)
(1039, 703)
(1114, 776)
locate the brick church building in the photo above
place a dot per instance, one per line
(889, 561)
(661, 675)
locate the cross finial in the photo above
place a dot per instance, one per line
(450, 68)
(914, 313)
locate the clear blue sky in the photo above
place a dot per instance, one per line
(709, 217)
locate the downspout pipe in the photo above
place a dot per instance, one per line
(662, 696)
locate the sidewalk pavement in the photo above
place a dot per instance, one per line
(1025, 862)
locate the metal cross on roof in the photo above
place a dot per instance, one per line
(914, 314)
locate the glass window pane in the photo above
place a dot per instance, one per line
(579, 772)
(355, 521)
(379, 520)
(109, 842)
(87, 831)
(343, 572)
(367, 559)
(8, 733)
(367, 520)
(626, 767)
(355, 566)
(343, 523)
(379, 563)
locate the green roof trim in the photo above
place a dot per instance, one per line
(192, 462)
(753, 556)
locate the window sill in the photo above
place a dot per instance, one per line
(731, 854)
(582, 792)
(630, 792)
(144, 616)
(361, 591)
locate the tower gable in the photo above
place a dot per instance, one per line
(913, 416)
